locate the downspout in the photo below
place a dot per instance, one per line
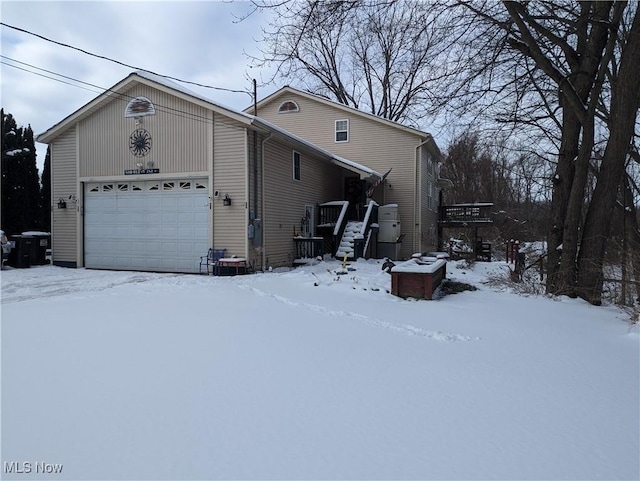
(255, 152)
(79, 206)
(417, 211)
(246, 192)
(264, 207)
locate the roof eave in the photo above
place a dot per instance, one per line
(121, 86)
(391, 123)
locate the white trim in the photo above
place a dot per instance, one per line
(335, 135)
(129, 111)
(297, 109)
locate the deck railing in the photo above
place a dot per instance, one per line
(329, 213)
(308, 247)
(466, 214)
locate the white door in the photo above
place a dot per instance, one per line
(160, 226)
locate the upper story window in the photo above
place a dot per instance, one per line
(296, 165)
(342, 131)
(288, 106)
(139, 107)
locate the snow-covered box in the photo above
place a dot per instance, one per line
(418, 277)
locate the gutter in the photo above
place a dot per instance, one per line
(417, 210)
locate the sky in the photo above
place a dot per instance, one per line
(201, 42)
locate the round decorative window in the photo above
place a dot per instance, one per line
(140, 142)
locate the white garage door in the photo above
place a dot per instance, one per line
(160, 226)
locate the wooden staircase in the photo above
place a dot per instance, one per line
(347, 243)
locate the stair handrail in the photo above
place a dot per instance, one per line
(335, 222)
(343, 214)
(368, 216)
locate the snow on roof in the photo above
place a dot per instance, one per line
(340, 160)
(473, 204)
(288, 88)
(180, 88)
(251, 119)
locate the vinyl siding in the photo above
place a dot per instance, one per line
(285, 197)
(229, 177)
(178, 136)
(63, 185)
(371, 143)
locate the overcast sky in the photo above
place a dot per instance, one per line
(198, 41)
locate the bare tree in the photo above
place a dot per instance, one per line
(563, 74)
(578, 48)
(375, 56)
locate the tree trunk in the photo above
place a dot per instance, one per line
(625, 101)
(632, 233)
(588, 78)
(558, 280)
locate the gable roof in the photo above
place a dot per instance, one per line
(290, 90)
(166, 85)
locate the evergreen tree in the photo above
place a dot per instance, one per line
(20, 182)
(45, 194)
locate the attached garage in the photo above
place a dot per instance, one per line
(158, 225)
(149, 176)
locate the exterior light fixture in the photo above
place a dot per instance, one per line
(62, 204)
(226, 200)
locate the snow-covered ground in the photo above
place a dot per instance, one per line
(305, 374)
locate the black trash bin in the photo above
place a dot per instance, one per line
(39, 246)
(20, 255)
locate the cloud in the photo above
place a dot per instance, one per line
(197, 41)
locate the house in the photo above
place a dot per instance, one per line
(149, 175)
(412, 155)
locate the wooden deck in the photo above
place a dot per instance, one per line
(465, 215)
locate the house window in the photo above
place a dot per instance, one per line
(288, 106)
(342, 131)
(296, 165)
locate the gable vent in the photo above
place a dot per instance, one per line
(288, 106)
(139, 107)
